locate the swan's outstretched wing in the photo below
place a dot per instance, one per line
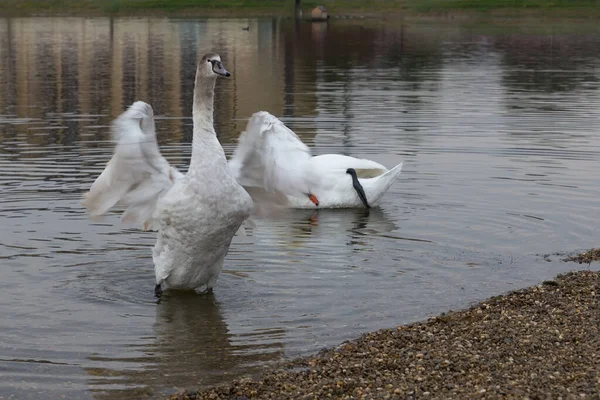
(137, 174)
(270, 157)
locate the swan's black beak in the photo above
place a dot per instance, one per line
(358, 187)
(219, 69)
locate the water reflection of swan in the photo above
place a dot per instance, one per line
(193, 348)
(330, 227)
(193, 340)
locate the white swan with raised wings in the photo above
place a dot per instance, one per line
(196, 214)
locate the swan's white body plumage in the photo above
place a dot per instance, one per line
(198, 218)
(196, 214)
(271, 157)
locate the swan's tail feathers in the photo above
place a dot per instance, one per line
(383, 182)
(389, 177)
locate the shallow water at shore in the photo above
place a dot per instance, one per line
(497, 127)
(537, 342)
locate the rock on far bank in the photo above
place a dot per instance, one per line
(542, 342)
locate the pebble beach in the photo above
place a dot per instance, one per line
(534, 343)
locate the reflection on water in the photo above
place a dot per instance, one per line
(192, 345)
(301, 228)
(497, 125)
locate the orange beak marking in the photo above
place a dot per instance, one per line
(313, 198)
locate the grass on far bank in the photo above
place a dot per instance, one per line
(284, 7)
(133, 6)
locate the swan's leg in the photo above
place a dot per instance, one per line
(158, 291)
(215, 271)
(205, 291)
(358, 187)
(211, 284)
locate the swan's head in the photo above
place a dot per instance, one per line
(211, 66)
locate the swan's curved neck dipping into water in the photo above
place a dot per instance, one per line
(358, 187)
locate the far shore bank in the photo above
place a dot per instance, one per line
(375, 9)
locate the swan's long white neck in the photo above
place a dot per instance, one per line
(202, 111)
(206, 148)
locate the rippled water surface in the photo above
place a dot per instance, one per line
(498, 126)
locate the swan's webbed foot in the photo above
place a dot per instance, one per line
(158, 291)
(358, 187)
(206, 291)
(211, 284)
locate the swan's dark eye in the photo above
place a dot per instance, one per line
(209, 61)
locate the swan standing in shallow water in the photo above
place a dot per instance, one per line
(271, 158)
(196, 214)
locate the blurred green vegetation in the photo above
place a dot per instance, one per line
(286, 7)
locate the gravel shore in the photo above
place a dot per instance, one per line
(586, 257)
(536, 343)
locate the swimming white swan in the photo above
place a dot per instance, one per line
(270, 157)
(196, 214)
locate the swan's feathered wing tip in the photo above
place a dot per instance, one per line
(263, 115)
(137, 119)
(140, 109)
(262, 120)
(136, 111)
(86, 201)
(137, 174)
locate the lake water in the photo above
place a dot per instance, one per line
(498, 125)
